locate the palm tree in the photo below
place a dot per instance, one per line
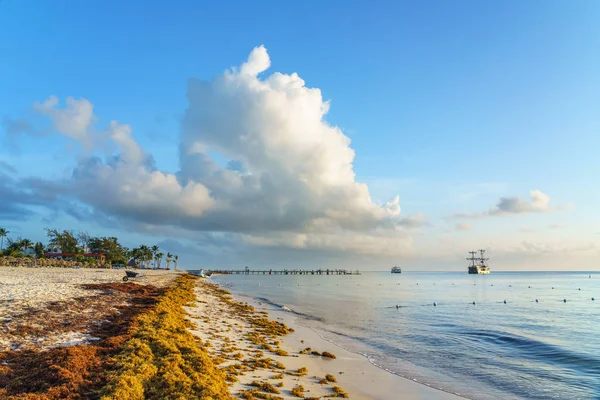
(25, 244)
(158, 258)
(3, 234)
(176, 257)
(145, 254)
(169, 256)
(154, 250)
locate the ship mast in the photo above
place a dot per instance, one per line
(482, 259)
(472, 258)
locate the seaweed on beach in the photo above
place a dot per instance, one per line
(73, 372)
(163, 359)
(298, 391)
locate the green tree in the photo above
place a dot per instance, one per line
(127, 253)
(109, 247)
(176, 258)
(145, 254)
(155, 249)
(83, 239)
(3, 233)
(158, 257)
(26, 244)
(66, 240)
(39, 250)
(168, 260)
(13, 248)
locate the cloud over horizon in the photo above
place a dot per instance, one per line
(289, 179)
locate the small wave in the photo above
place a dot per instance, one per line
(289, 309)
(542, 351)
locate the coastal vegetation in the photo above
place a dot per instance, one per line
(78, 249)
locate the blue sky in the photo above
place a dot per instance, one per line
(449, 105)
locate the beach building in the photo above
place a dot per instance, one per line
(56, 252)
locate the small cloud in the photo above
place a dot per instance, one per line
(17, 126)
(462, 226)
(516, 205)
(539, 203)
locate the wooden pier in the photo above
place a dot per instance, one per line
(248, 271)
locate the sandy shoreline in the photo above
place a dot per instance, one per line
(353, 372)
(53, 310)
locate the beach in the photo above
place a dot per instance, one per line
(219, 323)
(84, 321)
(71, 333)
(42, 308)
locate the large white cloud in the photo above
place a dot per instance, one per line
(290, 180)
(298, 167)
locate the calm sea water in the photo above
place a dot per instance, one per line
(491, 350)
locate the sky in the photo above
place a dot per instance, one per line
(307, 134)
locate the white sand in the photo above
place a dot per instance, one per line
(34, 286)
(28, 291)
(354, 374)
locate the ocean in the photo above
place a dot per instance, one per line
(506, 345)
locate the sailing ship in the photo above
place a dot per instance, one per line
(396, 270)
(478, 265)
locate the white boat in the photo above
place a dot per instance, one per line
(396, 270)
(204, 274)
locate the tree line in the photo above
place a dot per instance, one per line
(80, 243)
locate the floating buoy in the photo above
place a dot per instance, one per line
(537, 301)
(509, 285)
(564, 300)
(593, 299)
(579, 289)
(434, 304)
(474, 303)
(529, 287)
(552, 287)
(504, 301)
